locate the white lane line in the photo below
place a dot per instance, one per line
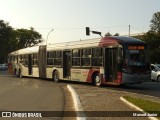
(77, 104)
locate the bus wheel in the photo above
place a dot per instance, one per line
(97, 80)
(55, 76)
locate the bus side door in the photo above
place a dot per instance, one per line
(30, 60)
(66, 64)
(110, 63)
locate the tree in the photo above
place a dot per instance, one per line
(108, 34)
(153, 41)
(7, 40)
(27, 38)
(11, 40)
(155, 22)
(152, 38)
(117, 34)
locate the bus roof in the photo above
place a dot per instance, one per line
(127, 39)
(105, 41)
(101, 42)
(26, 50)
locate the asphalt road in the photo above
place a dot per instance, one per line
(147, 88)
(29, 94)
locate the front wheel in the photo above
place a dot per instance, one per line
(55, 76)
(97, 80)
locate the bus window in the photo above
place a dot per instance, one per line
(20, 58)
(135, 58)
(16, 58)
(50, 57)
(86, 57)
(96, 56)
(35, 62)
(58, 54)
(58, 58)
(49, 61)
(76, 57)
(48, 54)
(53, 54)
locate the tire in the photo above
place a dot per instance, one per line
(158, 78)
(97, 80)
(55, 76)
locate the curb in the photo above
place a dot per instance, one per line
(77, 104)
(136, 107)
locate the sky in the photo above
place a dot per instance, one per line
(68, 18)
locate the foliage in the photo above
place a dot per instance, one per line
(27, 38)
(11, 40)
(152, 38)
(117, 34)
(155, 22)
(7, 40)
(109, 34)
(153, 41)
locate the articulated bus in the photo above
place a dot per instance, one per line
(111, 60)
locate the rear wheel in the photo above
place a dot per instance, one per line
(55, 76)
(97, 79)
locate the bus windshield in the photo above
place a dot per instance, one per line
(136, 57)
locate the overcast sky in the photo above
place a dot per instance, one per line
(69, 18)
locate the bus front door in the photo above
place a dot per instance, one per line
(66, 64)
(110, 63)
(30, 59)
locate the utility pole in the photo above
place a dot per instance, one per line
(129, 30)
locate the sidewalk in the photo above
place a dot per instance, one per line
(102, 99)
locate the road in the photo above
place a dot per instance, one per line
(29, 94)
(148, 88)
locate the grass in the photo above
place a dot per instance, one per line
(146, 105)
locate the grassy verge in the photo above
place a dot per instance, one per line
(146, 105)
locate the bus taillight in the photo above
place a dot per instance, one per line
(119, 77)
(10, 68)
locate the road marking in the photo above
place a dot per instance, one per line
(77, 103)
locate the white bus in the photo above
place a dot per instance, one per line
(109, 60)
